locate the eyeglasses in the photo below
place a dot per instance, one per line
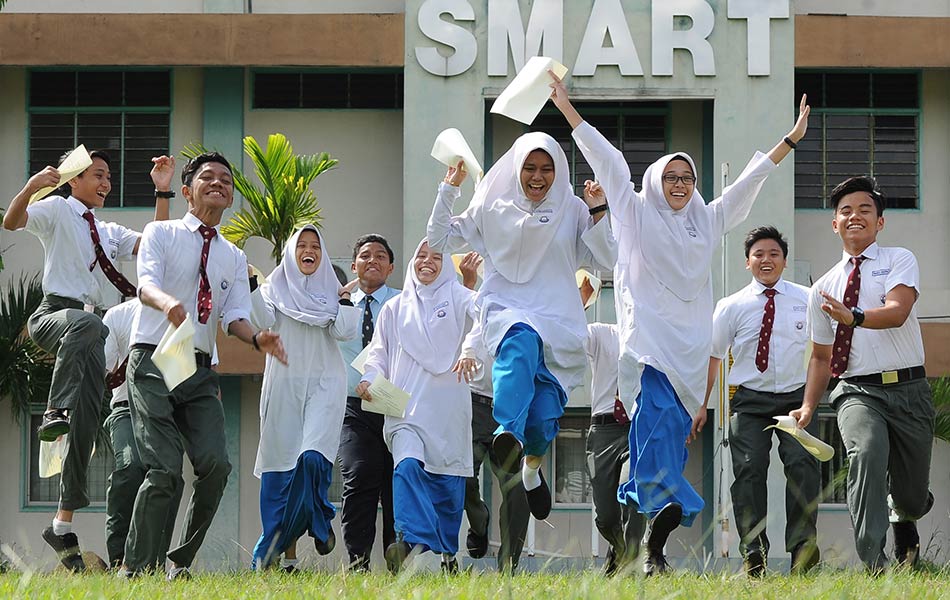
(686, 179)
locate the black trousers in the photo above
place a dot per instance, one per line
(367, 468)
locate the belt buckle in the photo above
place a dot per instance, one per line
(889, 377)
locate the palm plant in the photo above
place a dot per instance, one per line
(285, 203)
(940, 390)
(25, 369)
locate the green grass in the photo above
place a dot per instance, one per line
(838, 585)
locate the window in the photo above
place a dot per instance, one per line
(45, 492)
(125, 113)
(834, 473)
(357, 90)
(571, 480)
(861, 124)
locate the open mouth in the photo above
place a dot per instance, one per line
(766, 269)
(101, 194)
(678, 194)
(426, 271)
(854, 226)
(536, 188)
(308, 260)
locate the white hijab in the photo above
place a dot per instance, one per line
(515, 239)
(432, 317)
(675, 246)
(311, 299)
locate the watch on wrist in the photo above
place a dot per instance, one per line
(161, 194)
(858, 315)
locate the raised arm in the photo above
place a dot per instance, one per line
(445, 232)
(16, 217)
(346, 326)
(782, 148)
(597, 245)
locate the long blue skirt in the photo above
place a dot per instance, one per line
(427, 507)
(528, 398)
(293, 503)
(658, 434)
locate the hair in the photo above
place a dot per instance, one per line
(65, 189)
(192, 166)
(340, 275)
(859, 184)
(765, 233)
(370, 238)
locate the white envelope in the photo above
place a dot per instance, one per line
(815, 447)
(457, 261)
(387, 398)
(175, 354)
(51, 456)
(450, 147)
(595, 283)
(526, 95)
(75, 163)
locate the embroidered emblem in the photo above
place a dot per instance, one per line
(224, 285)
(799, 325)
(440, 314)
(544, 219)
(883, 298)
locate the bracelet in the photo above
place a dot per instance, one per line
(254, 341)
(598, 209)
(161, 194)
(790, 143)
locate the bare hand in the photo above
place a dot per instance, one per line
(163, 170)
(465, 368)
(558, 92)
(469, 268)
(48, 177)
(175, 313)
(801, 125)
(594, 194)
(698, 421)
(802, 415)
(362, 390)
(455, 175)
(269, 342)
(347, 289)
(836, 310)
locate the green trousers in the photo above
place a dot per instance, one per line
(77, 339)
(166, 425)
(888, 433)
(750, 444)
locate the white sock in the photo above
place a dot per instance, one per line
(447, 558)
(62, 527)
(530, 477)
(288, 562)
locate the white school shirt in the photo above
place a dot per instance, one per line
(872, 350)
(437, 428)
(550, 302)
(64, 233)
(657, 328)
(603, 352)
(737, 323)
(119, 321)
(169, 257)
(302, 404)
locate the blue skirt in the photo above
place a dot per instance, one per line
(427, 507)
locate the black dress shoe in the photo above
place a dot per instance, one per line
(396, 554)
(325, 547)
(290, 569)
(178, 574)
(476, 543)
(67, 548)
(655, 564)
(906, 543)
(805, 557)
(450, 567)
(539, 499)
(508, 452)
(754, 564)
(55, 423)
(610, 562)
(658, 531)
(359, 564)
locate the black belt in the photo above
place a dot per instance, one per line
(604, 419)
(479, 399)
(202, 359)
(121, 404)
(890, 377)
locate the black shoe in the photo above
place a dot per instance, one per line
(55, 423)
(178, 574)
(67, 548)
(658, 530)
(610, 562)
(906, 543)
(508, 452)
(655, 564)
(450, 567)
(396, 554)
(358, 564)
(539, 499)
(290, 569)
(754, 564)
(127, 573)
(476, 543)
(326, 547)
(805, 557)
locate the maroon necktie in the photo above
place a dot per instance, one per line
(620, 412)
(117, 279)
(117, 377)
(204, 287)
(842, 348)
(765, 333)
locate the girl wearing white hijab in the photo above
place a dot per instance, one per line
(667, 236)
(416, 344)
(302, 404)
(533, 234)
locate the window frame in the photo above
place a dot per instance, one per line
(827, 412)
(551, 464)
(251, 91)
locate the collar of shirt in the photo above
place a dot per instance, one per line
(757, 287)
(78, 206)
(358, 294)
(869, 253)
(193, 223)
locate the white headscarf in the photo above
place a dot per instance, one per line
(311, 299)
(516, 239)
(681, 257)
(432, 317)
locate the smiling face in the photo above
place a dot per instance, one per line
(766, 261)
(372, 266)
(427, 264)
(537, 175)
(678, 192)
(308, 252)
(212, 187)
(92, 185)
(857, 222)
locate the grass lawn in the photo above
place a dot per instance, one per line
(827, 584)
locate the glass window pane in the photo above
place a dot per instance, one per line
(848, 90)
(571, 481)
(100, 88)
(896, 90)
(374, 90)
(325, 90)
(52, 88)
(148, 88)
(811, 84)
(834, 472)
(277, 90)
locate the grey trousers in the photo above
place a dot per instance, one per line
(750, 444)
(124, 482)
(514, 512)
(77, 339)
(888, 433)
(167, 424)
(622, 525)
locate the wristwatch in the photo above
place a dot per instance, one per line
(161, 194)
(858, 315)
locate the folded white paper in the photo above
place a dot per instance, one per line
(450, 147)
(584, 275)
(387, 398)
(51, 456)
(815, 447)
(75, 163)
(526, 95)
(175, 354)
(359, 363)
(457, 261)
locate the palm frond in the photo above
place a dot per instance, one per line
(25, 369)
(940, 391)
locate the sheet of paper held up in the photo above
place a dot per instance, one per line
(359, 363)
(815, 447)
(387, 398)
(526, 95)
(75, 163)
(175, 354)
(450, 147)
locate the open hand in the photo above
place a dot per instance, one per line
(836, 310)
(269, 342)
(455, 175)
(465, 368)
(469, 268)
(594, 194)
(162, 173)
(801, 125)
